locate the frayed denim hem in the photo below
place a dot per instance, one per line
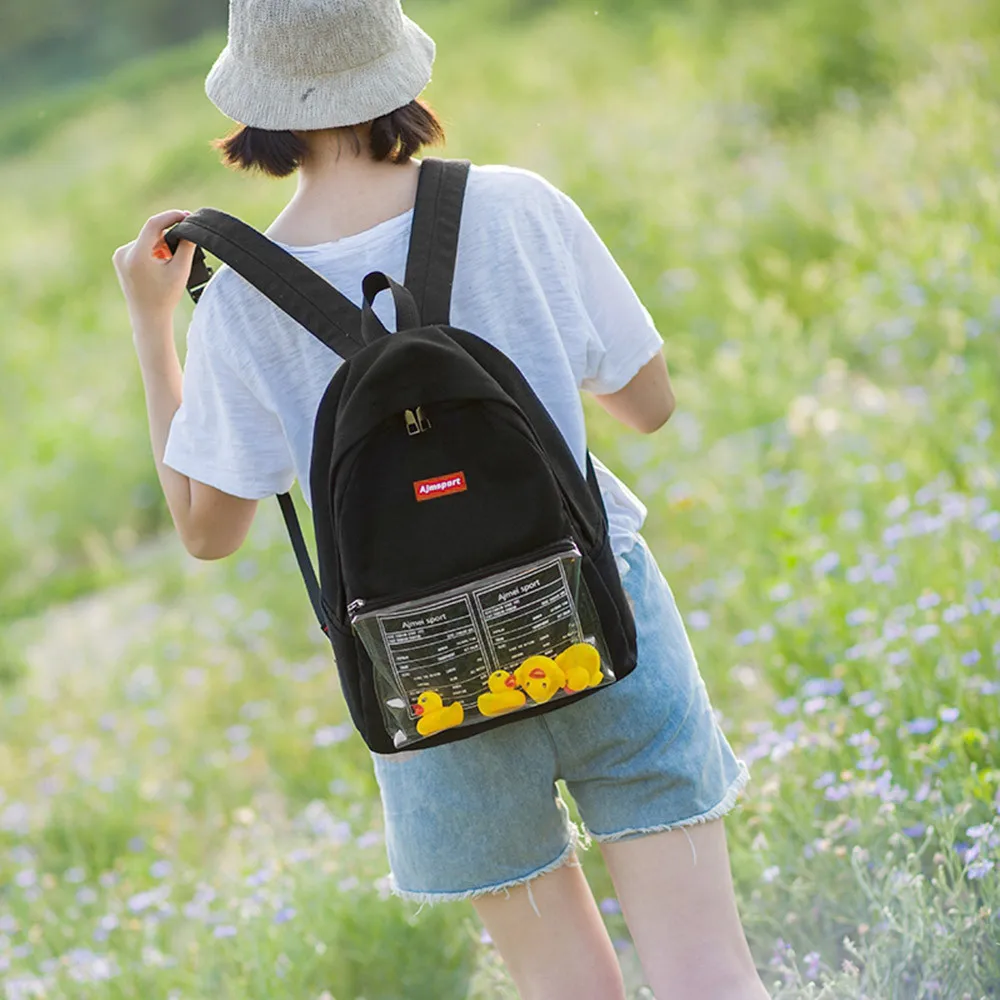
(577, 841)
(724, 805)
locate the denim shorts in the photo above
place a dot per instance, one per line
(644, 756)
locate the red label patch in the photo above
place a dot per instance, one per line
(430, 489)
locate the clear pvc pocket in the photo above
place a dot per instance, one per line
(510, 639)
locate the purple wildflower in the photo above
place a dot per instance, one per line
(822, 685)
(871, 764)
(329, 735)
(812, 964)
(699, 620)
(980, 869)
(826, 564)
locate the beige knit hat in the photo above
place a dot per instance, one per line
(311, 64)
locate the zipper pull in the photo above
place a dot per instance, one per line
(425, 424)
(412, 424)
(355, 605)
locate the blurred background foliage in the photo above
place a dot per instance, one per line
(49, 45)
(52, 44)
(806, 196)
(717, 83)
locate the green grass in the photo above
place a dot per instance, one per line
(808, 202)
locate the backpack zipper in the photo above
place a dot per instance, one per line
(416, 421)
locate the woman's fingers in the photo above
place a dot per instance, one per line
(183, 256)
(118, 257)
(151, 277)
(150, 242)
(156, 226)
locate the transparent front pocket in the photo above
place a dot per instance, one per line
(508, 640)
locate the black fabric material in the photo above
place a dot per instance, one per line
(302, 556)
(525, 491)
(437, 219)
(478, 415)
(407, 316)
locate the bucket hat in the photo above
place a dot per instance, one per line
(313, 64)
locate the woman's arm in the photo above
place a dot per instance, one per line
(647, 401)
(211, 524)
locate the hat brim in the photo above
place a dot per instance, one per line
(241, 92)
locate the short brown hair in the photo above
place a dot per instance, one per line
(395, 137)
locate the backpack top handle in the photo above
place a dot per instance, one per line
(407, 314)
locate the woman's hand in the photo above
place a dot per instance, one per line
(153, 281)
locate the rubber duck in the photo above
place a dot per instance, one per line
(581, 664)
(433, 716)
(503, 695)
(541, 677)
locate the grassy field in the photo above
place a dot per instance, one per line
(806, 195)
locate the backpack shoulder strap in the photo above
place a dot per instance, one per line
(296, 289)
(437, 219)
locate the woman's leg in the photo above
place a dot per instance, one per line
(556, 948)
(677, 897)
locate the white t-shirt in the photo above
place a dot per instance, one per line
(533, 278)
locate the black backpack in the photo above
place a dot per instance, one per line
(466, 577)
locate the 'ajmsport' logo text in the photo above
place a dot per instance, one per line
(430, 489)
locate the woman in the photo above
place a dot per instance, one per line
(329, 89)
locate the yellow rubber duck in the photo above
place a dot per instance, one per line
(503, 695)
(433, 716)
(581, 664)
(541, 677)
